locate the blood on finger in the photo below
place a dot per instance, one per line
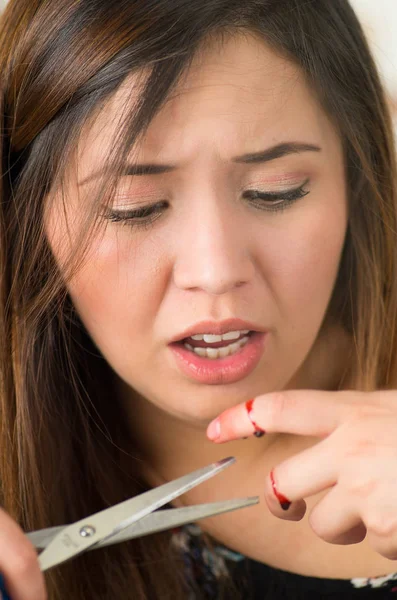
(259, 432)
(283, 500)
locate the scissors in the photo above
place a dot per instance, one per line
(130, 519)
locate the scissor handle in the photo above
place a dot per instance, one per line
(4, 595)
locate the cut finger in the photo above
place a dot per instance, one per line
(303, 412)
(303, 475)
(281, 506)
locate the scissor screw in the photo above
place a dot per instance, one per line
(87, 531)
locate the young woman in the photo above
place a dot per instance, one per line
(198, 221)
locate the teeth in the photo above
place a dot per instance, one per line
(232, 335)
(215, 353)
(200, 352)
(238, 345)
(209, 338)
(212, 352)
(223, 352)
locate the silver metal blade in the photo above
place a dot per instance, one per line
(175, 517)
(42, 537)
(87, 532)
(153, 522)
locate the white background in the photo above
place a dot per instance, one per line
(380, 21)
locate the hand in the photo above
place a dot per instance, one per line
(18, 563)
(355, 460)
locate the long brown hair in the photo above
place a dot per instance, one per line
(64, 452)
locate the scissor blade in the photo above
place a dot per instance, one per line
(175, 517)
(153, 522)
(87, 532)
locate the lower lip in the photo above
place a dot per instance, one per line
(221, 370)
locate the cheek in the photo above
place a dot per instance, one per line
(116, 289)
(305, 260)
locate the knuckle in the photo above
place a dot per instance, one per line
(363, 411)
(355, 482)
(360, 447)
(360, 437)
(279, 403)
(389, 551)
(362, 489)
(364, 418)
(360, 417)
(381, 526)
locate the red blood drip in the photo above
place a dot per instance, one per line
(284, 502)
(259, 432)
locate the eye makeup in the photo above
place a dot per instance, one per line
(145, 215)
(141, 217)
(274, 201)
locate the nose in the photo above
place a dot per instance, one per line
(214, 250)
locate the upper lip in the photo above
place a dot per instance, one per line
(217, 328)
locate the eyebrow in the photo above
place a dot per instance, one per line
(264, 156)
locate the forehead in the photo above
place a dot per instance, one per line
(238, 96)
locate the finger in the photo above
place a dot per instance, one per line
(303, 475)
(279, 504)
(18, 563)
(336, 520)
(380, 518)
(382, 536)
(303, 412)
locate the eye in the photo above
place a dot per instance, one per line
(141, 217)
(272, 201)
(145, 216)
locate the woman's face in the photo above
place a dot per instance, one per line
(246, 216)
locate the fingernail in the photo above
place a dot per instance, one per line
(259, 432)
(284, 502)
(214, 430)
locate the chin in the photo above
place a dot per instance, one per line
(200, 412)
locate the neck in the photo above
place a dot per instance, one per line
(162, 437)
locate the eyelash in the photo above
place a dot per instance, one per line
(144, 217)
(141, 217)
(288, 198)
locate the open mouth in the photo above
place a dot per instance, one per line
(214, 347)
(219, 359)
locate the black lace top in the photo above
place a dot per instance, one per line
(208, 568)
